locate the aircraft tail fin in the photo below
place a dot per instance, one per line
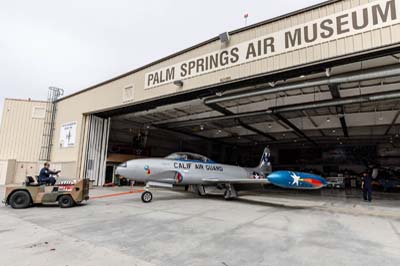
(265, 162)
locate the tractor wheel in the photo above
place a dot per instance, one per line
(147, 196)
(65, 201)
(20, 200)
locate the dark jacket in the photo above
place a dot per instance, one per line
(367, 179)
(45, 174)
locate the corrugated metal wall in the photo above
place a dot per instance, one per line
(7, 171)
(20, 131)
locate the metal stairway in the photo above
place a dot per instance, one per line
(48, 128)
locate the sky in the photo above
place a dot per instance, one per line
(75, 44)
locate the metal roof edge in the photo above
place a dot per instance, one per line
(24, 100)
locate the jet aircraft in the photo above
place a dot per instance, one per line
(203, 174)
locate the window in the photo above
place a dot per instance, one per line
(128, 94)
(38, 112)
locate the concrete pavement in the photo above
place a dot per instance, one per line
(184, 229)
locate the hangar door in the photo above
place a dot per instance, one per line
(94, 157)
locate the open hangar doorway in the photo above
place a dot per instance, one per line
(148, 134)
(335, 120)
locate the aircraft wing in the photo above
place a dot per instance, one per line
(235, 181)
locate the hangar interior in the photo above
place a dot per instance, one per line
(333, 119)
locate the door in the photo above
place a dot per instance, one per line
(95, 149)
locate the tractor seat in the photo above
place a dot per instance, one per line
(31, 182)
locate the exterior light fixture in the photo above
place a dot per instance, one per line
(328, 119)
(224, 37)
(201, 127)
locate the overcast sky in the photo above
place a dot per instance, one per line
(75, 44)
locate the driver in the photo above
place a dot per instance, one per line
(45, 175)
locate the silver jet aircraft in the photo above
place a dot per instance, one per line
(203, 174)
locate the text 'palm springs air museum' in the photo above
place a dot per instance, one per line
(319, 86)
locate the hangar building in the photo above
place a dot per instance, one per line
(320, 86)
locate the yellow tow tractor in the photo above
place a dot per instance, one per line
(65, 193)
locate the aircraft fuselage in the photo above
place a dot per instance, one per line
(182, 172)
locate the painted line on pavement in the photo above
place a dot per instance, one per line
(117, 194)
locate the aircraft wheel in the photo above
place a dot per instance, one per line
(147, 196)
(20, 200)
(65, 201)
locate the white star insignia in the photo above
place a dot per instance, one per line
(296, 178)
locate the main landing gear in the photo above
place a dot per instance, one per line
(230, 192)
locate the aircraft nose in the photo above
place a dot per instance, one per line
(121, 169)
(118, 170)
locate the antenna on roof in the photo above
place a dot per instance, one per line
(245, 16)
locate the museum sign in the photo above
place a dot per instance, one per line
(364, 18)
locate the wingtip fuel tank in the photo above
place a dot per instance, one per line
(296, 180)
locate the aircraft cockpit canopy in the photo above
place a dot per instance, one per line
(187, 156)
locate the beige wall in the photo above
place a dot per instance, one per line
(21, 132)
(24, 169)
(7, 171)
(109, 95)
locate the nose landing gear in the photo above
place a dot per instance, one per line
(147, 197)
